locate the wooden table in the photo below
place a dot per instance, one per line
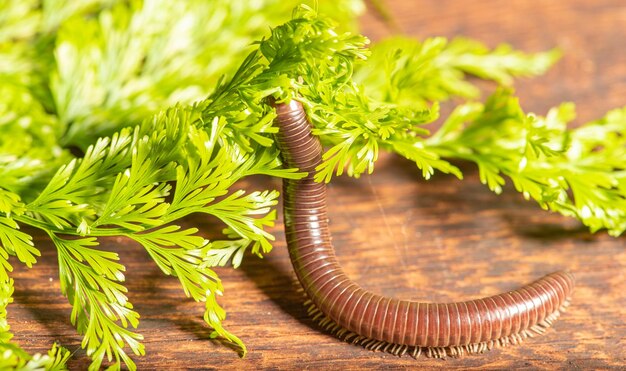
(397, 234)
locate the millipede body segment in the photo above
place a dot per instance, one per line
(380, 322)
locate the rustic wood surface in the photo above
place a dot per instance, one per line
(399, 235)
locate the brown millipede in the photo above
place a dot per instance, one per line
(384, 323)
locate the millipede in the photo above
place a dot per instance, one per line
(383, 323)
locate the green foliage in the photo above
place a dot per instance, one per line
(172, 52)
(302, 58)
(120, 188)
(409, 72)
(98, 76)
(63, 84)
(30, 161)
(577, 172)
(91, 280)
(16, 243)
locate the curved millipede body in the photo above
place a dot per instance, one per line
(379, 322)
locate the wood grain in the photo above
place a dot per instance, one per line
(397, 234)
